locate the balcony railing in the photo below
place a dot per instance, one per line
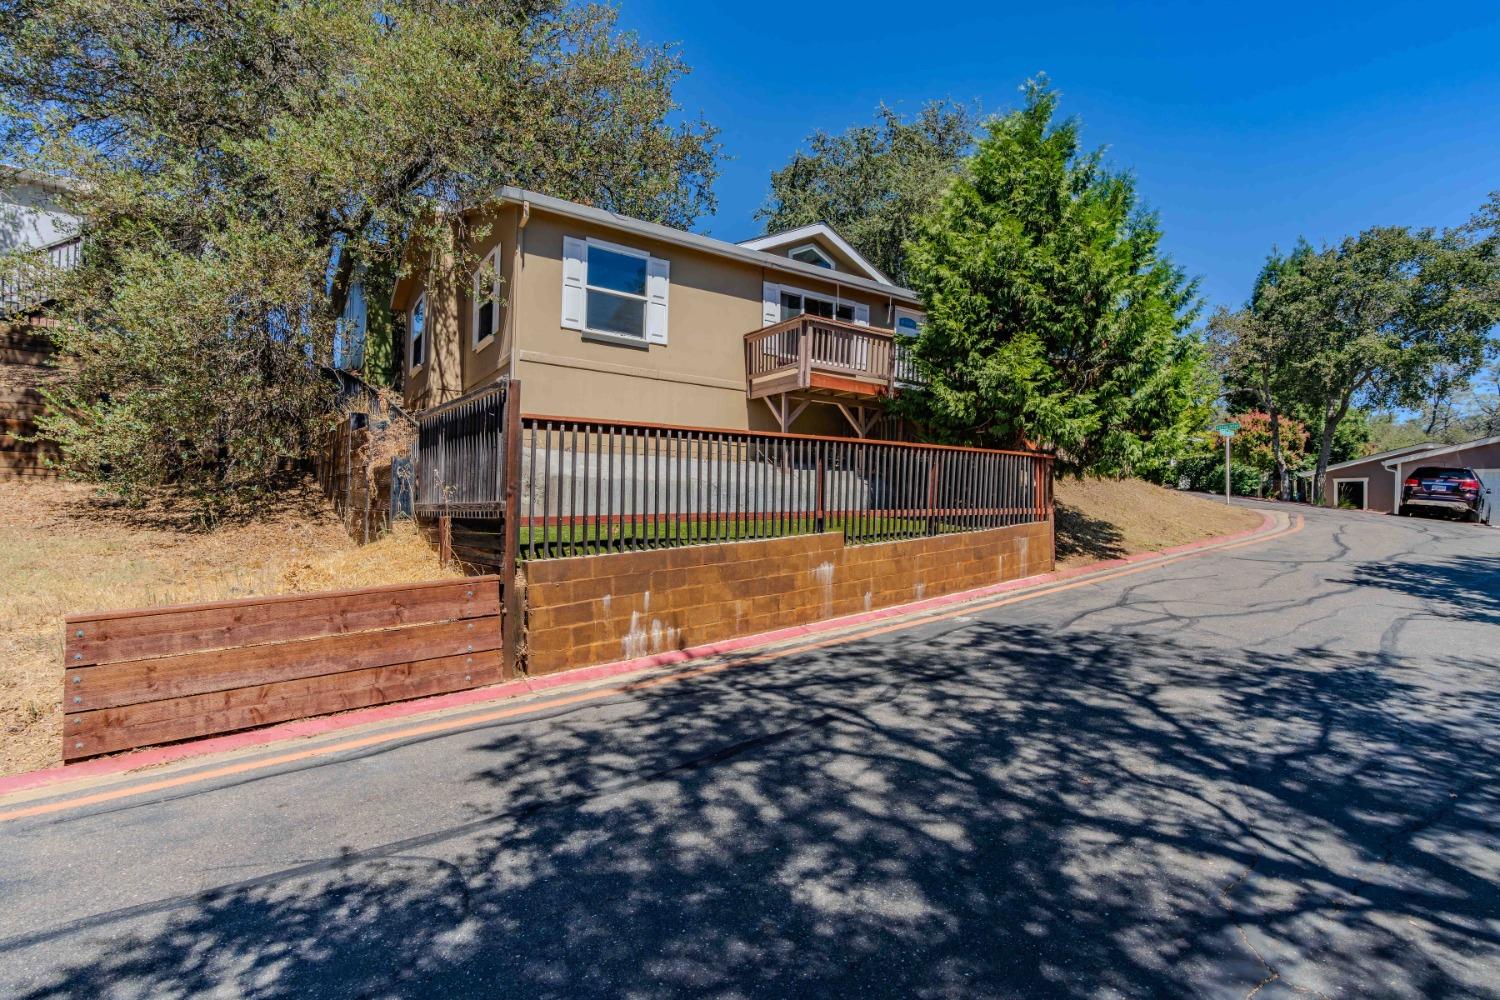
(810, 352)
(26, 282)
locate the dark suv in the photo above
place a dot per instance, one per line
(1457, 491)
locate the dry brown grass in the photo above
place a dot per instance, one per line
(63, 550)
(1107, 519)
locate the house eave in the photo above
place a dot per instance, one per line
(1437, 451)
(1383, 456)
(704, 244)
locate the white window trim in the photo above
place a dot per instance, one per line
(832, 297)
(903, 312)
(1364, 498)
(828, 261)
(654, 302)
(412, 365)
(645, 300)
(492, 261)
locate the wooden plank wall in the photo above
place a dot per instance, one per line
(365, 511)
(157, 675)
(477, 544)
(24, 355)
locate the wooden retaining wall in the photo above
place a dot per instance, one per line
(361, 500)
(136, 678)
(25, 354)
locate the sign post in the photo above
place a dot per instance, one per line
(1226, 431)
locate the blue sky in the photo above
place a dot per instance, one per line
(1246, 125)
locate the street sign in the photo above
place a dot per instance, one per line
(1226, 430)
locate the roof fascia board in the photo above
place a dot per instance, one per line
(818, 229)
(20, 176)
(1382, 456)
(705, 244)
(1445, 450)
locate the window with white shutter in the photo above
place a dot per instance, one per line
(485, 296)
(615, 292)
(770, 303)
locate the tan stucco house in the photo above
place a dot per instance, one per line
(606, 317)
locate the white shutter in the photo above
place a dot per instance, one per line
(770, 304)
(658, 280)
(575, 268)
(861, 314)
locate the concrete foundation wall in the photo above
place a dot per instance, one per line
(598, 609)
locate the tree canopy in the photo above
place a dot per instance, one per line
(873, 183)
(1382, 317)
(1254, 356)
(1054, 317)
(227, 155)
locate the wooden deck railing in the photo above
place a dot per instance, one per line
(786, 355)
(28, 279)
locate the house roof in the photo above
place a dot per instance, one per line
(10, 175)
(707, 244)
(1393, 453)
(776, 241)
(1437, 450)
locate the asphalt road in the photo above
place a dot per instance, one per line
(1266, 769)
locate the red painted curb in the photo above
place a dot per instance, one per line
(306, 728)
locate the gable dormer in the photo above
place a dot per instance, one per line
(819, 245)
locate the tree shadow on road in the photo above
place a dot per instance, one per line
(1463, 589)
(983, 810)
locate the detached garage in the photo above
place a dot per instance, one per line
(1366, 483)
(1374, 482)
(1482, 456)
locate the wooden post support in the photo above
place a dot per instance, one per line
(512, 598)
(445, 539)
(822, 503)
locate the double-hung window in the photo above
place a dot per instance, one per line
(614, 292)
(486, 298)
(416, 332)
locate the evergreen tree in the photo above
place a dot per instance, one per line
(1054, 318)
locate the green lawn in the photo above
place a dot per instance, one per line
(580, 539)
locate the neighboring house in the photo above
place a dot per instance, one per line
(32, 218)
(606, 317)
(1374, 482)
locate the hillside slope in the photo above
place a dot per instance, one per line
(62, 550)
(1106, 519)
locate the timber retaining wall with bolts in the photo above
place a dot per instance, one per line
(597, 609)
(156, 675)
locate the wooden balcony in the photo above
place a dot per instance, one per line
(811, 359)
(836, 358)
